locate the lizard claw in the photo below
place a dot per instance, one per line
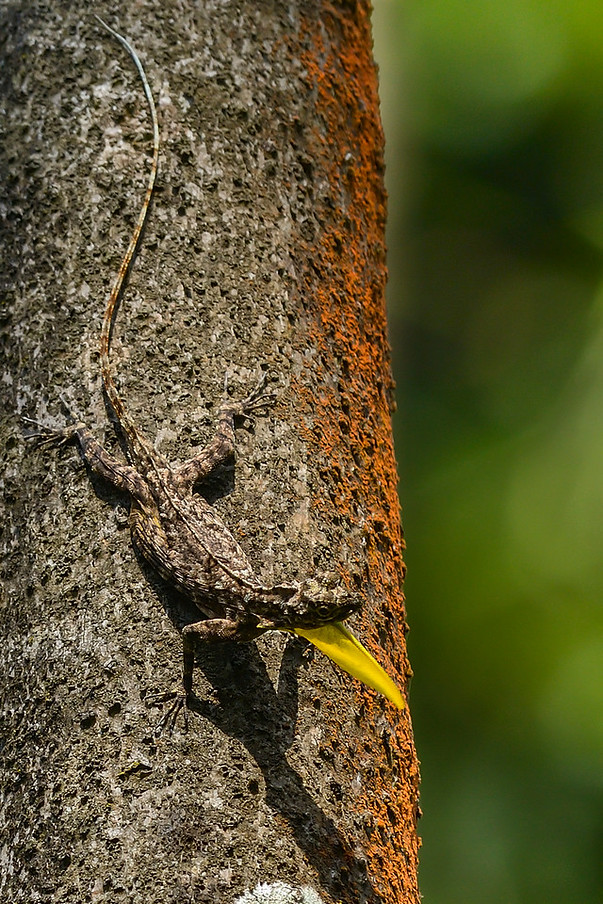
(50, 436)
(170, 717)
(258, 398)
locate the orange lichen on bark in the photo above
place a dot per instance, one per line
(350, 434)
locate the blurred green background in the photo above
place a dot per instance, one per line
(494, 121)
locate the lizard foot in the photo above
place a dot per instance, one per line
(169, 719)
(51, 436)
(257, 399)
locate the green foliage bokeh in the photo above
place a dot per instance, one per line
(494, 122)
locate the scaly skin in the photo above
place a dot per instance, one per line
(180, 533)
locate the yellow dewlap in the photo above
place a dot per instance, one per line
(342, 647)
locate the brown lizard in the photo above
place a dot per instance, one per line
(179, 532)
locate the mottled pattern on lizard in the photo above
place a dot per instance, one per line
(175, 528)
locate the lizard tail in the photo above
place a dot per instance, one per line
(135, 442)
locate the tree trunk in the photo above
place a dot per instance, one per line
(264, 249)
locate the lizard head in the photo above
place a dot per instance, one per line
(316, 611)
(309, 604)
(315, 604)
(321, 623)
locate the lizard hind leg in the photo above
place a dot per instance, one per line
(122, 476)
(222, 445)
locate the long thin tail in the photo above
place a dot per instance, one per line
(139, 448)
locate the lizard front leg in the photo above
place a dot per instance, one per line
(211, 630)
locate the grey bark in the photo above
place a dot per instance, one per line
(94, 807)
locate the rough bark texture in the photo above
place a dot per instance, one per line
(265, 248)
